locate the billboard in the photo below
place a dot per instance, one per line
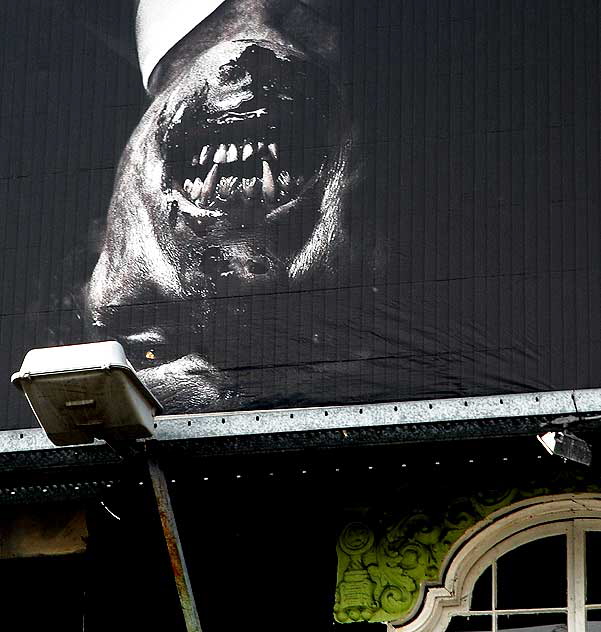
(292, 203)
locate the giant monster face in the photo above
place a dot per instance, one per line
(233, 183)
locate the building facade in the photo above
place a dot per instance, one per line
(352, 248)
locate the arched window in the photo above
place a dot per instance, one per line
(535, 568)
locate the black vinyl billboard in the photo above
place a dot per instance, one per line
(318, 202)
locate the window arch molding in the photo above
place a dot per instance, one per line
(492, 537)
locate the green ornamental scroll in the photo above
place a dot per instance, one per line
(383, 569)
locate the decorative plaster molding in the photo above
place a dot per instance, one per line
(387, 573)
(499, 533)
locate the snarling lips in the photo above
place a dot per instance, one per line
(214, 190)
(260, 161)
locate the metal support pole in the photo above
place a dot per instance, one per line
(176, 554)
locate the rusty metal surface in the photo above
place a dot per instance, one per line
(174, 547)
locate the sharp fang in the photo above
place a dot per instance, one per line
(273, 150)
(232, 153)
(268, 183)
(206, 154)
(188, 184)
(196, 189)
(284, 181)
(260, 149)
(221, 154)
(209, 186)
(194, 160)
(248, 187)
(247, 151)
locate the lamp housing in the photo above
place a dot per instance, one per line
(82, 392)
(567, 446)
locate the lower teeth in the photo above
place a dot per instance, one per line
(229, 188)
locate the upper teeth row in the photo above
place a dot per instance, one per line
(231, 153)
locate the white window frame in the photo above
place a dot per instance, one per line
(569, 514)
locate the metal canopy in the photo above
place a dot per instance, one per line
(32, 469)
(436, 419)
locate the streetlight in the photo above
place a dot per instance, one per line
(82, 392)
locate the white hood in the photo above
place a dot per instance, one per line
(160, 24)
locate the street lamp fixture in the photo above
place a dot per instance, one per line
(82, 392)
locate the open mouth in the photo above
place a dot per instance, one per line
(261, 160)
(246, 176)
